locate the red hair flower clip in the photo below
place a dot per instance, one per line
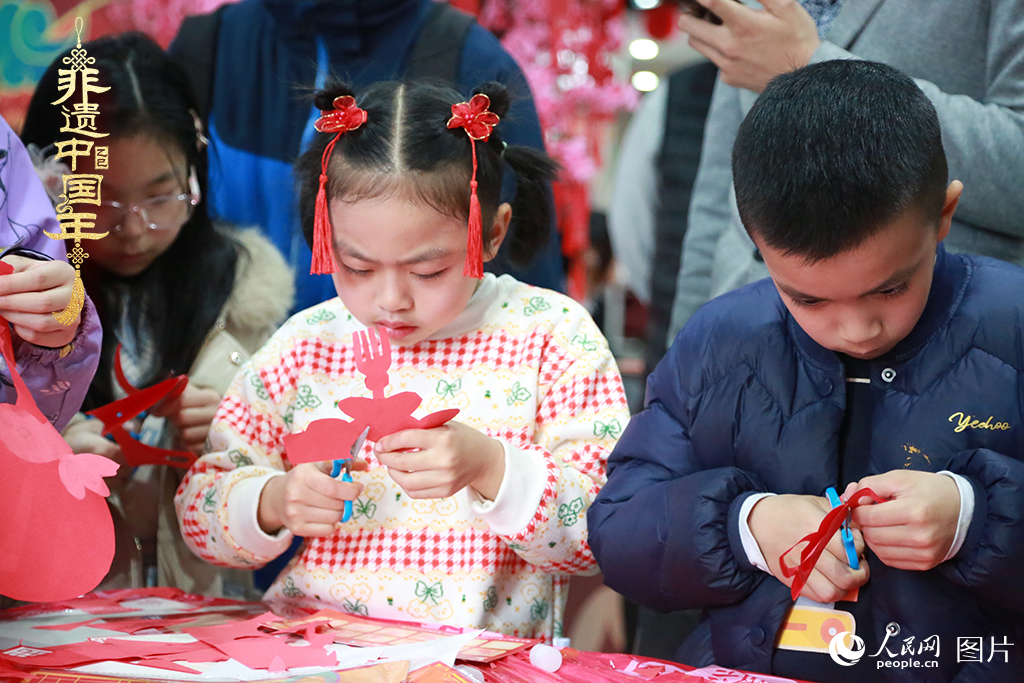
(343, 117)
(478, 121)
(475, 116)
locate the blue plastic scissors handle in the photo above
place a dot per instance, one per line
(844, 533)
(346, 464)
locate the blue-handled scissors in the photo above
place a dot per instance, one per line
(346, 465)
(844, 532)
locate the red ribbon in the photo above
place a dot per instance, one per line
(817, 541)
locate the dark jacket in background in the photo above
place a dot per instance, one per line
(267, 57)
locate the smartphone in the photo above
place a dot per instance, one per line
(698, 10)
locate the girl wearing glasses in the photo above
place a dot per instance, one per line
(178, 293)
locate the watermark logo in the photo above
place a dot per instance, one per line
(972, 649)
(842, 655)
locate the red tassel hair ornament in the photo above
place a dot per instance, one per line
(478, 121)
(343, 117)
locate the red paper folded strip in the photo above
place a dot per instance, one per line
(817, 541)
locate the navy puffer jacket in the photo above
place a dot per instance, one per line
(746, 402)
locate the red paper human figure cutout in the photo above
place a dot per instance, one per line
(114, 416)
(331, 438)
(57, 536)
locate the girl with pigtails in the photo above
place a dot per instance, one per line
(474, 523)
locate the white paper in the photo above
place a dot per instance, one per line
(429, 651)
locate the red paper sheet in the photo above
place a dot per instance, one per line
(57, 537)
(260, 653)
(214, 635)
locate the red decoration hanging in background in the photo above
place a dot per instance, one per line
(564, 47)
(661, 21)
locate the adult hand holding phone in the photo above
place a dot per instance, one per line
(751, 47)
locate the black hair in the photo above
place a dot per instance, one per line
(175, 302)
(832, 153)
(406, 149)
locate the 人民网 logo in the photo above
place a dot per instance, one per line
(842, 655)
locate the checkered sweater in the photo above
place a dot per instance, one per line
(526, 366)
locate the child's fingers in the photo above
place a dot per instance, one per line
(890, 513)
(196, 397)
(37, 323)
(406, 439)
(39, 302)
(32, 275)
(200, 416)
(821, 589)
(415, 461)
(324, 488)
(52, 339)
(308, 530)
(429, 484)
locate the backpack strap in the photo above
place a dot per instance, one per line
(437, 52)
(195, 50)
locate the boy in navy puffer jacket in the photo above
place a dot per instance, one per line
(871, 358)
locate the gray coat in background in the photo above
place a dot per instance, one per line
(968, 58)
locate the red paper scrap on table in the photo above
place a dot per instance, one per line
(352, 629)
(168, 664)
(817, 540)
(132, 626)
(260, 653)
(57, 536)
(437, 672)
(383, 415)
(69, 627)
(214, 635)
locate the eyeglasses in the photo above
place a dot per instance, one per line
(164, 212)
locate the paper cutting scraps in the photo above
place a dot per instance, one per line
(352, 629)
(57, 536)
(331, 438)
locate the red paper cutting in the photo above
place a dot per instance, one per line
(114, 415)
(332, 438)
(57, 536)
(817, 541)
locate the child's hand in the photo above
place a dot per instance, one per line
(191, 413)
(915, 527)
(32, 294)
(778, 522)
(307, 500)
(86, 437)
(443, 461)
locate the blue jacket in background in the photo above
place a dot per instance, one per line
(746, 402)
(260, 118)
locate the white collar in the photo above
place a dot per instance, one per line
(482, 306)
